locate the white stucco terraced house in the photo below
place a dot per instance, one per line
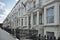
(42, 15)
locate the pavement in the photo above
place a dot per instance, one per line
(5, 35)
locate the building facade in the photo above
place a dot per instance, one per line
(42, 15)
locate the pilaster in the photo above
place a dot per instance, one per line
(31, 19)
(27, 21)
(37, 17)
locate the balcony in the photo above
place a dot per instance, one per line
(33, 6)
(33, 9)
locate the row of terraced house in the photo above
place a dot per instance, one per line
(41, 15)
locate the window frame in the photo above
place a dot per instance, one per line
(49, 15)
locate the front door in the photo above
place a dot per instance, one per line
(50, 35)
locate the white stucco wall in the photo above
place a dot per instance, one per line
(52, 29)
(45, 2)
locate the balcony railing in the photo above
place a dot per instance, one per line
(37, 6)
(26, 33)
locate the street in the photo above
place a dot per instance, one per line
(5, 35)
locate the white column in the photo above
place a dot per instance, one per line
(56, 14)
(27, 21)
(24, 21)
(37, 17)
(20, 21)
(31, 19)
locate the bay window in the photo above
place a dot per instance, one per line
(50, 15)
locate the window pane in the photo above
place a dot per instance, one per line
(22, 22)
(41, 1)
(29, 21)
(25, 20)
(40, 19)
(50, 15)
(34, 4)
(34, 19)
(50, 11)
(50, 19)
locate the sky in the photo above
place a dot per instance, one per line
(5, 7)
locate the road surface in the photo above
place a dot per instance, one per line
(5, 35)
